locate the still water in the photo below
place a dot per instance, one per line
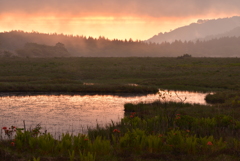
(74, 113)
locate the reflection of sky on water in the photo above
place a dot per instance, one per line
(74, 113)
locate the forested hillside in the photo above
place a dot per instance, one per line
(19, 43)
(199, 30)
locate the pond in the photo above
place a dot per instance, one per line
(75, 113)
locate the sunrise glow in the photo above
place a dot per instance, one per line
(114, 20)
(109, 27)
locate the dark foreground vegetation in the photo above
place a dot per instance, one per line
(149, 131)
(141, 75)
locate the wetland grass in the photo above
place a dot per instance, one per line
(149, 131)
(69, 74)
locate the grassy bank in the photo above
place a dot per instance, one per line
(156, 131)
(69, 74)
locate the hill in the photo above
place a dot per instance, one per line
(232, 33)
(199, 30)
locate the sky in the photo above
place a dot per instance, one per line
(113, 19)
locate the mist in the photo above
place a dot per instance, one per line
(136, 19)
(16, 44)
(80, 24)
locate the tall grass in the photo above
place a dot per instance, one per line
(63, 74)
(149, 131)
(155, 131)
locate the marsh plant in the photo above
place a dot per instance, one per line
(9, 131)
(194, 132)
(112, 74)
(164, 97)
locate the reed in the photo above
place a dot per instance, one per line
(63, 74)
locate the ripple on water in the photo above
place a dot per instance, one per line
(74, 113)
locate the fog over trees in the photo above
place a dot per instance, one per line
(202, 29)
(37, 50)
(34, 44)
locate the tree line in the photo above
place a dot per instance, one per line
(79, 46)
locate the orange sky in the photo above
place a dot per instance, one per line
(136, 20)
(111, 27)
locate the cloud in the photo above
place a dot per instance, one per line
(150, 8)
(138, 19)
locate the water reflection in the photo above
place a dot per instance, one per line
(74, 113)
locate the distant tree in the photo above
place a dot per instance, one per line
(60, 50)
(184, 56)
(60, 45)
(89, 46)
(38, 50)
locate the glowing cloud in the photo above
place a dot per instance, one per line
(137, 19)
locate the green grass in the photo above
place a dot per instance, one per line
(64, 74)
(156, 131)
(229, 98)
(149, 131)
